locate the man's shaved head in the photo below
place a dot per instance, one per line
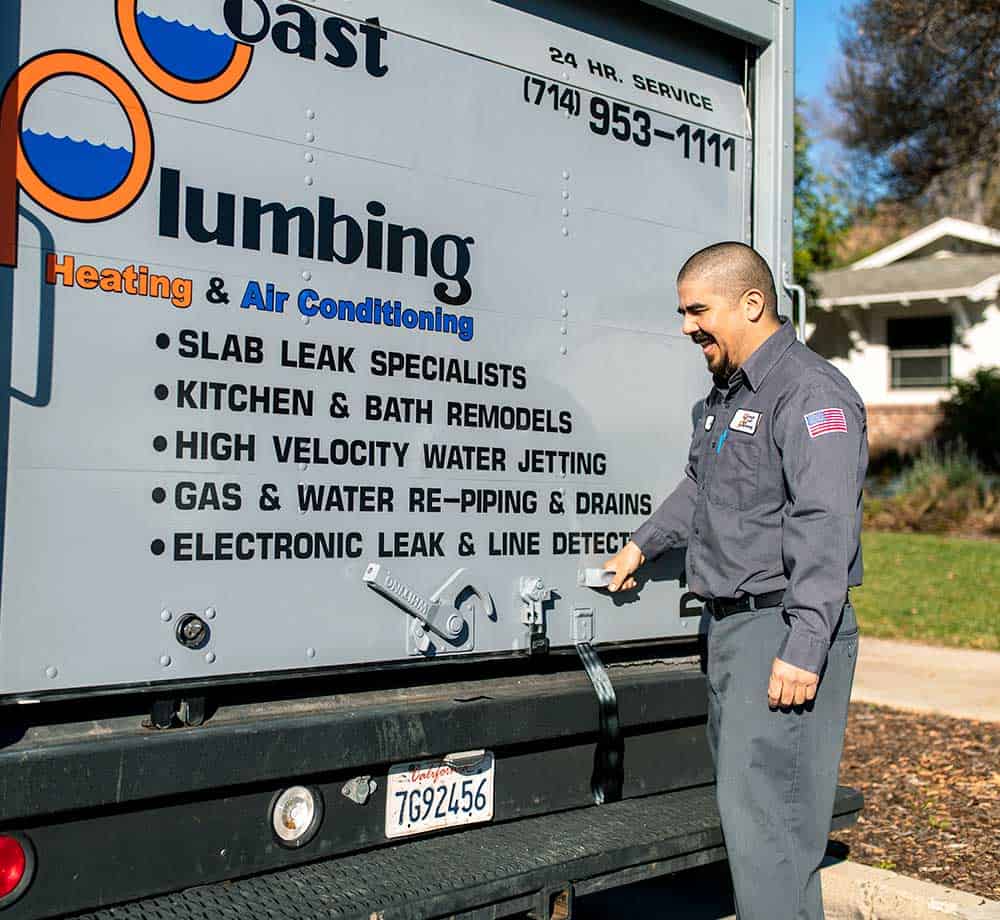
(732, 268)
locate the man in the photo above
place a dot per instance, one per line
(770, 511)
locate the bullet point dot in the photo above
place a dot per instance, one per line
(159, 495)
(163, 340)
(160, 443)
(157, 547)
(161, 391)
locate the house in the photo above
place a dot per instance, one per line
(904, 322)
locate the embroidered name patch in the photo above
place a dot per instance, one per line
(825, 421)
(709, 422)
(745, 421)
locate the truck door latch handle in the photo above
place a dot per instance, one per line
(440, 613)
(594, 578)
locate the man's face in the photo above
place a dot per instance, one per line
(715, 323)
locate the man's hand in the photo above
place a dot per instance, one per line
(789, 685)
(627, 560)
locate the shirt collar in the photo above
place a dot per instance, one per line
(762, 361)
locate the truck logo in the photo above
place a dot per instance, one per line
(74, 179)
(188, 63)
(89, 182)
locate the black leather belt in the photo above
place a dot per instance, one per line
(721, 607)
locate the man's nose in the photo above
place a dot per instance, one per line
(688, 325)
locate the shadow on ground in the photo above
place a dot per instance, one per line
(705, 893)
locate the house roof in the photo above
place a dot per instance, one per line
(976, 234)
(976, 277)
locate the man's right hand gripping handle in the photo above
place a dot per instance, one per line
(624, 564)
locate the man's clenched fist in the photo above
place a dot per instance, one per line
(789, 685)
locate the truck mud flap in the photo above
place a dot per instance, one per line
(535, 865)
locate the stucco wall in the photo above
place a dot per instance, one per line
(854, 339)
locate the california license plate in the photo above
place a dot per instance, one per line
(435, 794)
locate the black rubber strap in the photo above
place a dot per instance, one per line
(609, 761)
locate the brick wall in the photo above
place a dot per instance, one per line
(904, 428)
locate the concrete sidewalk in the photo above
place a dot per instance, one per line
(964, 683)
(851, 891)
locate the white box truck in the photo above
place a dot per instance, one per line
(340, 349)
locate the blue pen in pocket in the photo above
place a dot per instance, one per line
(721, 441)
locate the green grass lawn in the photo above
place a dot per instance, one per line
(943, 590)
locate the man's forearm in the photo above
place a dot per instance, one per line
(669, 525)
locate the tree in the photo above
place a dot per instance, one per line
(821, 218)
(920, 93)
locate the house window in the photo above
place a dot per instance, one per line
(919, 351)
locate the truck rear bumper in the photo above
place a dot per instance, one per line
(489, 871)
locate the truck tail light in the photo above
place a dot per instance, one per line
(16, 867)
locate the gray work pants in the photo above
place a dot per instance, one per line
(776, 769)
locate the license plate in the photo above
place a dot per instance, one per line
(435, 794)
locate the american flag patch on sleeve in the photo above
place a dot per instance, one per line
(825, 421)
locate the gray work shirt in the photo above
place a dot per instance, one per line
(771, 498)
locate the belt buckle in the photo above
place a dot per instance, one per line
(751, 602)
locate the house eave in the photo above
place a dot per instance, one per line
(947, 226)
(984, 290)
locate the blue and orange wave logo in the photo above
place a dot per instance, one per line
(84, 181)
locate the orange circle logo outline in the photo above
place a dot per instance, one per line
(44, 67)
(197, 91)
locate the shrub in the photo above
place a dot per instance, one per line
(971, 417)
(944, 491)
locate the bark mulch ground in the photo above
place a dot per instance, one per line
(932, 796)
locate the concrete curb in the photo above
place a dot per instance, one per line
(852, 891)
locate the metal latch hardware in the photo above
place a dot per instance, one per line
(448, 614)
(534, 595)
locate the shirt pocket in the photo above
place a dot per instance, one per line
(735, 479)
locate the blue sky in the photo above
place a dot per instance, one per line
(818, 24)
(817, 45)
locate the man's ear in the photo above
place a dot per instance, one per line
(753, 304)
